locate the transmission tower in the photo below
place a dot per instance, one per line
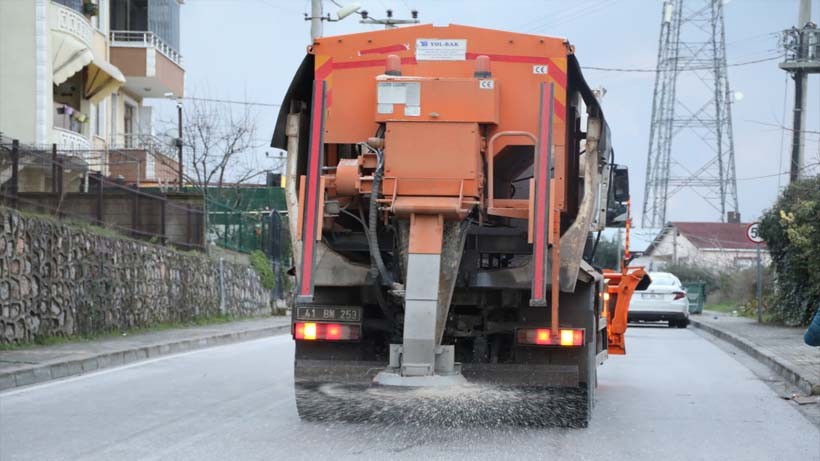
(691, 111)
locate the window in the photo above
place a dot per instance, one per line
(112, 136)
(76, 5)
(129, 123)
(98, 128)
(158, 16)
(102, 15)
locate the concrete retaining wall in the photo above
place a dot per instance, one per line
(57, 279)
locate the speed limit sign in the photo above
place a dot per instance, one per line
(753, 233)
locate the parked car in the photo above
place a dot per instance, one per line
(664, 300)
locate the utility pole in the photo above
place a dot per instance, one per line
(801, 59)
(179, 142)
(316, 19)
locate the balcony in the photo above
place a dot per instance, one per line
(70, 140)
(152, 67)
(142, 159)
(72, 50)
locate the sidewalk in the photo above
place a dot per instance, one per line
(38, 364)
(780, 348)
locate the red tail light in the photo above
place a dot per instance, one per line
(311, 331)
(679, 294)
(542, 337)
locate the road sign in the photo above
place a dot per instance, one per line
(753, 233)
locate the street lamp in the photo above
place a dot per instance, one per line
(178, 142)
(317, 16)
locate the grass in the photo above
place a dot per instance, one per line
(56, 340)
(724, 307)
(729, 308)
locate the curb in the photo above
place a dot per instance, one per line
(762, 355)
(75, 367)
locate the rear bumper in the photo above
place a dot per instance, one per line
(649, 316)
(354, 372)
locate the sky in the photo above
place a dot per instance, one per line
(248, 50)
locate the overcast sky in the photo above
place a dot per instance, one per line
(249, 49)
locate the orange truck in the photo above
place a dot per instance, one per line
(443, 187)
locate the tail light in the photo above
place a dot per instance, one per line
(679, 294)
(542, 337)
(312, 331)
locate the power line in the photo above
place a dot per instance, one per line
(751, 178)
(735, 64)
(229, 101)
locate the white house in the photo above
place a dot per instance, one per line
(713, 245)
(76, 73)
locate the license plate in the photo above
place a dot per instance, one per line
(329, 314)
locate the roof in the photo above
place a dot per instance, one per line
(639, 238)
(716, 235)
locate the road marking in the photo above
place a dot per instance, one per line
(276, 339)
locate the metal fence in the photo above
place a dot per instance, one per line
(239, 218)
(63, 184)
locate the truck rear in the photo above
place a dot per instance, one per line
(443, 185)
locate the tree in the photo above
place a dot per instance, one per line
(791, 229)
(606, 254)
(218, 144)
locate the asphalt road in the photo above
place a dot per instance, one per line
(675, 396)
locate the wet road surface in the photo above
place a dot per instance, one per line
(676, 396)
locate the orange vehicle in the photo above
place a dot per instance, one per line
(443, 185)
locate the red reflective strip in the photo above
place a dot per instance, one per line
(557, 74)
(560, 110)
(313, 172)
(512, 58)
(541, 205)
(369, 63)
(385, 49)
(324, 70)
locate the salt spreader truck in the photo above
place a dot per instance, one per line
(444, 185)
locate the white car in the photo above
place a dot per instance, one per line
(664, 300)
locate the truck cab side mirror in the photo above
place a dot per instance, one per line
(620, 184)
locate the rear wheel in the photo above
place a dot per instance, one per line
(683, 323)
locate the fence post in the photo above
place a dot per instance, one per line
(54, 168)
(188, 224)
(239, 234)
(163, 234)
(60, 171)
(221, 288)
(15, 170)
(135, 206)
(100, 198)
(276, 252)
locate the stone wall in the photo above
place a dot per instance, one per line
(61, 280)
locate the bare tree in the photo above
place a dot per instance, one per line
(219, 147)
(218, 143)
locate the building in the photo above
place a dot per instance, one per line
(77, 73)
(722, 246)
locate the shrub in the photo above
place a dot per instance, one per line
(262, 266)
(791, 229)
(694, 273)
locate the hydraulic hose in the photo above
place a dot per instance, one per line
(377, 267)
